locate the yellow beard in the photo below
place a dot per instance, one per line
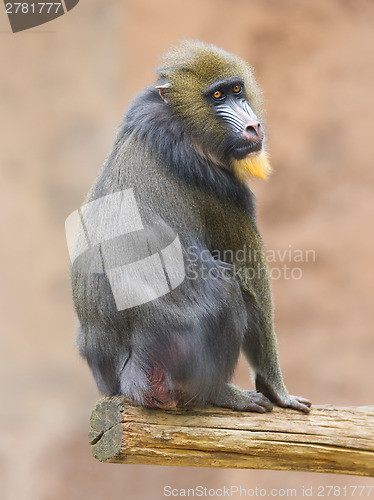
(252, 166)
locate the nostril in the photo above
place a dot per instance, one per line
(254, 129)
(250, 129)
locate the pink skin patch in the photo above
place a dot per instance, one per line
(159, 395)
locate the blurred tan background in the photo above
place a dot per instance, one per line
(63, 89)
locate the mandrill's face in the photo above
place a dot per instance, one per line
(244, 133)
(216, 96)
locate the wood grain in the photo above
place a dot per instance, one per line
(329, 439)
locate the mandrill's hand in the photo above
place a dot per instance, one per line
(281, 397)
(294, 402)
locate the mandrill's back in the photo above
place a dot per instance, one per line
(175, 303)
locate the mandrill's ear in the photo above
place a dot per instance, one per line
(164, 91)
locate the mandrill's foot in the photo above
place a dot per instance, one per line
(238, 399)
(280, 396)
(258, 402)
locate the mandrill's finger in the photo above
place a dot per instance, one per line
(257, 398)
(300, 404)
(303, 401)
(303, 408)
(258, 408)
(266, 403)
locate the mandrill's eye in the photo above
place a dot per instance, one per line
(218, 95)
(237, 89)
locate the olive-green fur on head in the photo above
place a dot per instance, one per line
(191, 69)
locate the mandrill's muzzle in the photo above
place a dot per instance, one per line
(246, 132)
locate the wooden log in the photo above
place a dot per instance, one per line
(329, 439)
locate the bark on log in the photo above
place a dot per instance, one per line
(329, 439)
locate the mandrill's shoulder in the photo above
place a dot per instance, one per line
(153, 124)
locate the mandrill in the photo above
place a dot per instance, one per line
(165, 298)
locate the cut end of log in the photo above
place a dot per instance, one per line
(106, 431)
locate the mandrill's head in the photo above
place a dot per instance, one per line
(215, 94)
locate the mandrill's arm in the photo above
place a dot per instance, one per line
(260, 343)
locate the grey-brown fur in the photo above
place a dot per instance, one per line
(185, 345)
